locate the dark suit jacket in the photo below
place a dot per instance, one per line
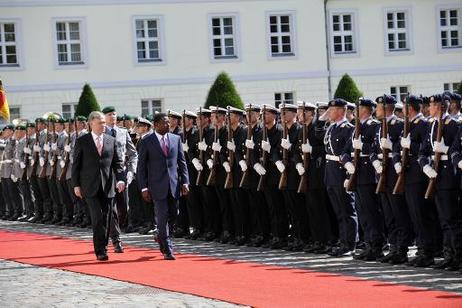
(158, 172)
(91, 171)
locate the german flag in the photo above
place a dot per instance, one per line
(4, 109)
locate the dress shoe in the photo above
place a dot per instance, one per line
(423, 260)
(278, 243)
(399, 258)
(131, 229)
(195, 235)
(226, 237)
(35, 219)
(103, 257)
(169, 256)
(455, 265)
(374, 254)
(341, 251)
(443, 264)
(118, 247)
(209, 236)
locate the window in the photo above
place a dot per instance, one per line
(343, 33)
(69, 110)
(451, 86)
(224, 37)
(399, 92)
(15, 112)
(150, 106)
(450, 25)
(281, 35)
(284, 97)
(8, 44)
(397, 33)
(148, 41)
(69, 43)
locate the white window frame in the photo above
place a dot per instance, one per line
(454, 6)
(354, 30)
(150, 101)
(83, 42)
(236, 38)
(452, 86)
(408, 30)
(283, 97)
(13, 107)
(73, 108)
(160, 39)
(399, 93)
(18, 43)
(293, 34)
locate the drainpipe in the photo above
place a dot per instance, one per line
(326, 31)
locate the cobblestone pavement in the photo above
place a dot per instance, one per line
(58, 288)
(419, 277)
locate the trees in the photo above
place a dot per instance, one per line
(87, 102)
(223, 93)
(347, 89)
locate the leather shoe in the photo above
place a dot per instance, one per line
(118, 247)
(102, 257)
(169, 256)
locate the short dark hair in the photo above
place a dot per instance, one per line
(158, 117)
(415, 107)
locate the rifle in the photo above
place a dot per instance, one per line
(436, 161)
(43, 172)
(36, 154)
(216, 154)
(384, 134)
(229, 176)
(303, 185)
(26, 156)
(67, 160)
(285, 154)
(399, 186)
(201, 154)
(244, 179)
(263, 153)
(351, 186)
(54, 158)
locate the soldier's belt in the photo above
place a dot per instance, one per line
(360, 155)
(8, 161)
(380, 156)
(442, 157)
(332, 157)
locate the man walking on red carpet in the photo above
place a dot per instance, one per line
(162, 174)
(96, 168)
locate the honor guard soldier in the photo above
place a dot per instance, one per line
(455, 105)
(20, 172)
(31, 166)
(336, 142)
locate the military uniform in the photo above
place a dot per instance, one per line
(20, 175)
(12, 196)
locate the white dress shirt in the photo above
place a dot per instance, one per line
(95, 136)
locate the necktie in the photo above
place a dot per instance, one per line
(164, 146)
(114, 133)
(99, 145)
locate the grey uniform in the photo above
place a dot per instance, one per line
(11, 193)
(3, 209)
(19, 170)
(43, 183)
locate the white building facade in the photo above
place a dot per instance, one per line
(147, 55)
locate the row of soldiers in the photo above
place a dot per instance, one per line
(323, 178)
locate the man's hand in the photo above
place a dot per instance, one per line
(146, 196)
(77, 192)
(184, 189)
(120, 186)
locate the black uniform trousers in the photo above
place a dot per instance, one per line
(317, 203)
(370, 215)
(25, 188)
(38, 201)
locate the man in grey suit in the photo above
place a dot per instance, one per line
(163, 176)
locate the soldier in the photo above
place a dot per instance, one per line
(399, 110)
(33, 153)
(294, 169)
(337, 166)
(396, 214)
(446, 177)
(20, 172)
(455, 105)
(129, 155)
(54, 129)
(39, 148)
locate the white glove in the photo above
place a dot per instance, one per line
(377, 166)
(231, 146)
(350, 168)
(398, 168)
(406, 142)
(210, 163)
(129, 177)
(243, 165)
(357, 144)
(202, 146)
(62, 163)
(249, 144)
(266, 146)
(32, 162)
(46, 147)
(15, 179)
(41, 161)
(67, 148)
(54, 146)
(27, 151)
(36, 148)
(227, 167)
(385, 143)
(197, 164)
(185, 147)
(216, 147)
(345, 183)
(259, 169)
(460, 165)
(285, 144)
(307, 148)
(300, 169)
(22, 165)
(52, 162)
(280, 166)
(429, 171)
(440, 147)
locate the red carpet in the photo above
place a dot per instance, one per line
(238, 282)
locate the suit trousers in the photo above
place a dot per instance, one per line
(166, 212)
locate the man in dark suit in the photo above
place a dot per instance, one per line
(162, 176)
(96, 168)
